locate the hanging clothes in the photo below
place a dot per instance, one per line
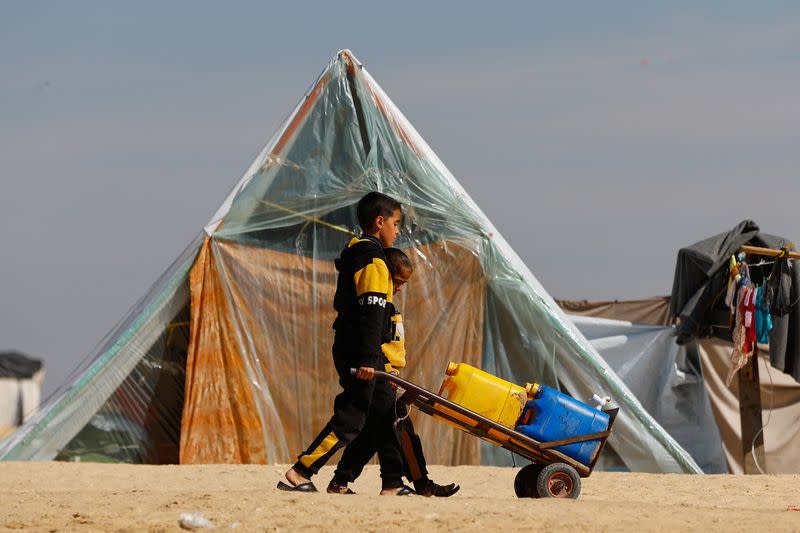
(749, 318)
(763, 316)
(780, 282)
(703, 285)
(733, 279)
(740, 280)
(740, 356)
(784, 304)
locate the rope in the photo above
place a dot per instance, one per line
(309, 218)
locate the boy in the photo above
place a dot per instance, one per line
(360, 451)
(363, 289)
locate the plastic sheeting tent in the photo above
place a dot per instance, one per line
(227, 358)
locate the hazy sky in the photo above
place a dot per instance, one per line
(599, 137)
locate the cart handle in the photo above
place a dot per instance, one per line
(381, 374)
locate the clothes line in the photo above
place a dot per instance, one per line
(770, 252)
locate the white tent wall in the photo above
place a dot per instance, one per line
(19, 399)
(9, 402)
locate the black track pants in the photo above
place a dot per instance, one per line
(362, 405)
(405, 442)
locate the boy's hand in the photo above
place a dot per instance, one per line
(392, 383)
(365, 372)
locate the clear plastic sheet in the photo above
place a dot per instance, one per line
(259, 381)
(115, 399)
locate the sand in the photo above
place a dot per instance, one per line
(127, 498)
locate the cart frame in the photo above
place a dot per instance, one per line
(542, 453)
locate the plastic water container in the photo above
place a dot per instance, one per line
(489, 396)
(552, 415)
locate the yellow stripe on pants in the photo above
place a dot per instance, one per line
(324, 447)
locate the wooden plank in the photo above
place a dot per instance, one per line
(572, 440)
(750, 416)
(769, 252)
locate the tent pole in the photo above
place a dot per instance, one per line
(750, 417)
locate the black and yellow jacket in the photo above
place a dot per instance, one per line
(363, 294)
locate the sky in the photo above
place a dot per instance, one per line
(598, 137)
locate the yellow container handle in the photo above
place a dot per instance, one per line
(532, 389)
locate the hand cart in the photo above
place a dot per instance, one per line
(552, 473)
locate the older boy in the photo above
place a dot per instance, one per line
(363, 289)
(360, 451)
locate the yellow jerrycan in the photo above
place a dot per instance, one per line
(489, 396)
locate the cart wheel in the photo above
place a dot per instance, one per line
(525, 482)
(558, 480)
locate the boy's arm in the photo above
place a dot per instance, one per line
(372, 288)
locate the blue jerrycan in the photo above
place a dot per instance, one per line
(552, 415)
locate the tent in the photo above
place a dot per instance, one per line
(227, 358)
(692, 400)
(21, 379)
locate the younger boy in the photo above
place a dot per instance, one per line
(360, 451)
(363, 289)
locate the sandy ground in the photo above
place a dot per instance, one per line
(125, 498)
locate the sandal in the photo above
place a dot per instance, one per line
(302, 487)
(404, 491)
(338, 488)
(434, 489)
